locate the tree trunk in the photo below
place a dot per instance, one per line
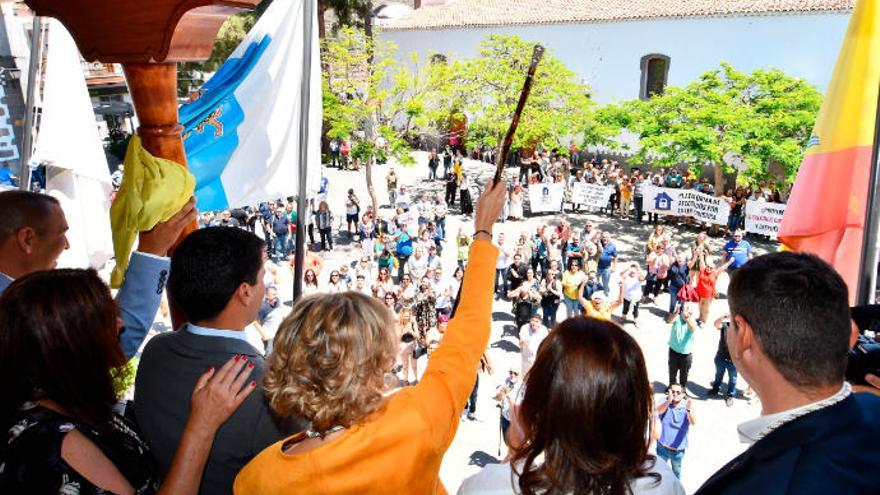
(719, 178)
(368, 32)
(325, 69)
(368, 172)
(321, 28)
(368, 130)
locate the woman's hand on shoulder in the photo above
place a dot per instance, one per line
(218, 393)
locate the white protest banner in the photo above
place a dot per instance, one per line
(763, 217)
(687, 203)
(583, 193)
(546, 197)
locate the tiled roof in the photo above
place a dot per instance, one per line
(481, 13)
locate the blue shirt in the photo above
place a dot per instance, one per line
(681, 338)
(609, 253)
(738, 251)
(6, 177)
(214, 332)
(674, 433)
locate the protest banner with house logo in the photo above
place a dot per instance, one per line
(546, 197)
(763, 217)
(686, 203)
(583, 193)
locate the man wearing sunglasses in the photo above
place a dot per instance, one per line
(676, 419)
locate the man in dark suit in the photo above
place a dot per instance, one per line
(217, 281)
(789, 336)
(33, 234)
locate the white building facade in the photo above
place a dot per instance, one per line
(623, 58)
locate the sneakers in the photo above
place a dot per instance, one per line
(713, 392)
(729, 401)
(471, 417)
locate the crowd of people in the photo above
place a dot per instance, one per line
(360, 386)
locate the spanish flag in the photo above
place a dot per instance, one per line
(826, 213)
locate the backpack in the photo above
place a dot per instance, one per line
(404, 245)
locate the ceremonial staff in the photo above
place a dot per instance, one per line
(537, 53)
(523, 96)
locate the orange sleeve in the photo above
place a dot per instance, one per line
(443, 390)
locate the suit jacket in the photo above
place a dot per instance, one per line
(169, 368)
(833, 450)
(138, 298)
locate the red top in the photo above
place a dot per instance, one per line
(706, 283)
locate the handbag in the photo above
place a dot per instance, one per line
(688, 293)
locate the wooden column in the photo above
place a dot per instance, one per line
(148, 37)
(153, 88)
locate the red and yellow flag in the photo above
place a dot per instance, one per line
(826, 213)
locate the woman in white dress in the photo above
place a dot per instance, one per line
(605, 450)
(516, 204)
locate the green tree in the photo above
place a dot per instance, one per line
(358, 92)
(763, 118)
(489, 85)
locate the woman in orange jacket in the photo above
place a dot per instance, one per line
(330, 362)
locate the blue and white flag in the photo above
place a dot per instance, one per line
(242, 135)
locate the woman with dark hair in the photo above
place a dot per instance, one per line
(584, 421)
(59, 355)
(310, 282)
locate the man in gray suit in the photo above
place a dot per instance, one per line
(217, 281)
(33, 234)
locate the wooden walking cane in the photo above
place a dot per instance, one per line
(148, 38)
(537, 53)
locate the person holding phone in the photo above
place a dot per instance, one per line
(681, 343)
(676, 417)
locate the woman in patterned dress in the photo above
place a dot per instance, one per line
(59, 357)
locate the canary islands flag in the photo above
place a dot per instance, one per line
(826, 213)
(242, 134)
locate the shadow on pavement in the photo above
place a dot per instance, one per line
(505, 345)
(510, 331)
(501, 316)
(480, 458)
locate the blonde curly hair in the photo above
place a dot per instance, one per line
(330, 358)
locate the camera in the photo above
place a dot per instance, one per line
(864, 357)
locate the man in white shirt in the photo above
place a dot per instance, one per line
(530, 337)
(504, 255)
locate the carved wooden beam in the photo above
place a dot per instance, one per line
(142, 31)
(148, 37)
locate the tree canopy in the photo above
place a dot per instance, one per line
(489, 85)
(763, 119)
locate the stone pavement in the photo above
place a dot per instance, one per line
(713, 439)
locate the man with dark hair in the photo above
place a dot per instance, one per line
(217, 281)
(33, 234)
(789, 336)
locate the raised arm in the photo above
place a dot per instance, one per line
(443, 390)
(141, 292)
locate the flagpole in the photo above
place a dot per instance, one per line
(868, 261)
(305, 88)
(27, 137)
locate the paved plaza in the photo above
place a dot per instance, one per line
(713, 439)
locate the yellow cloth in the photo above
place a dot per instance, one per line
(153, 190)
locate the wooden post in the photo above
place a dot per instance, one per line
(148, 38)
(153, 88)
